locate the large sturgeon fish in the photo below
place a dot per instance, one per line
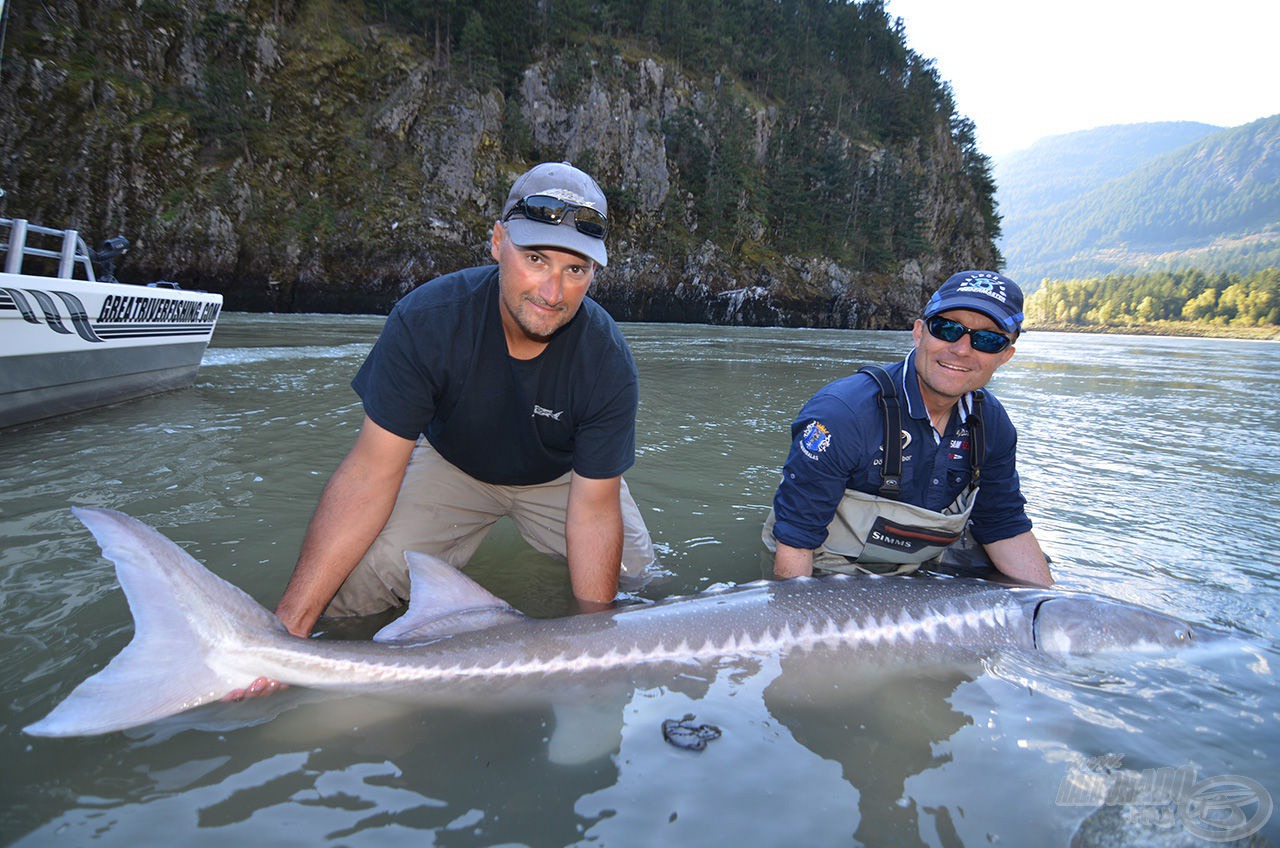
(197, 637)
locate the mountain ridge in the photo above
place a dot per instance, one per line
(1213, 203)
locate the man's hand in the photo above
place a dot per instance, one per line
(256, 689)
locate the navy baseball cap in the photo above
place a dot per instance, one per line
(992, 294)
(558, 181)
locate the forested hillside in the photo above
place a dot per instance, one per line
(767, 162)
(1191, 298)
(1212, 204)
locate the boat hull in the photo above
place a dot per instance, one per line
(71, 345)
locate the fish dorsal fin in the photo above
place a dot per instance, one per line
(444, 601)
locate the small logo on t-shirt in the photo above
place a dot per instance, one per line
(815, 439)
(546, 413)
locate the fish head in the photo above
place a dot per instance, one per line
(1069, 625)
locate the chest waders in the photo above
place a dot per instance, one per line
(880, 534)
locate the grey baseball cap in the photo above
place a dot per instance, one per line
(563, 182)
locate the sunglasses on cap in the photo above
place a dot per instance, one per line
(552, 210)
(983, 341)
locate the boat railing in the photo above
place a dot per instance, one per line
(70, 252)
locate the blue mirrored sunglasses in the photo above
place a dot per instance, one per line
(552, 210)
(983, 341)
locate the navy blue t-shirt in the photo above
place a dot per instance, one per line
(441, 369)
(838, 444)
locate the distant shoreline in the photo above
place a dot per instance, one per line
(1166, 328)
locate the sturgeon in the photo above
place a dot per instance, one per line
(198, 637)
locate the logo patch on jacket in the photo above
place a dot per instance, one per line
(815, 439)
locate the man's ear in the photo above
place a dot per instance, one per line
(495, 241)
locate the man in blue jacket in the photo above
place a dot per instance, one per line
(890, 468)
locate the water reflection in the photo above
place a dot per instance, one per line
(675, 796)
(880, 732)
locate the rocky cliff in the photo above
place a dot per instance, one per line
(307, 155)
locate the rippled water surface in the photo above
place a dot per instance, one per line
(1152, 467)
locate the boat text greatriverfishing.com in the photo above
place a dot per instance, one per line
(131, 309)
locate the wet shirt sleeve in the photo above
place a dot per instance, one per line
(395, 382)
(826, 450)
(1000, 511)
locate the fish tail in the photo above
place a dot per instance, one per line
(187, 622)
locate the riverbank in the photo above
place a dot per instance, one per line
(1165, 328)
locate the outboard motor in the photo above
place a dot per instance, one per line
(104, 258)
(1065, 625)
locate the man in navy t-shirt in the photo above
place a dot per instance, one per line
(492, 391)
(846, 503)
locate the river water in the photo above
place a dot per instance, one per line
(1152, 466)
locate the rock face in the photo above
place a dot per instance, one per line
(297, 157)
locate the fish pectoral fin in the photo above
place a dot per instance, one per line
(585, 732)
(444, 601)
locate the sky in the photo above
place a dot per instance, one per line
(1026, 69)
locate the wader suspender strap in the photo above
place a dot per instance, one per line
(891, 469)
(977, 435)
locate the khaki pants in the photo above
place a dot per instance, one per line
(445, 512)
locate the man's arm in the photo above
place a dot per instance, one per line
(1021, 558)
(353, 509)
(593, 540)
(792, 562)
